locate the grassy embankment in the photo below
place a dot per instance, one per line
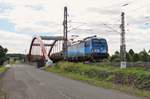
(3, 69)
(134, 81)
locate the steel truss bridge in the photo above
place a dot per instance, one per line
(43, 47)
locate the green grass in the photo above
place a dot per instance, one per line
(2, 69)
(102, 76)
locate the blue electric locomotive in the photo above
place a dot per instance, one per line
(92, 48)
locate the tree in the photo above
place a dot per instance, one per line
(148, 51)
(136, 57)
(131, 52)
(117, 53)
(115, 57)
(130, 55)
(144, 56)
(3, 56)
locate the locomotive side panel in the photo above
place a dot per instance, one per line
(88, 48)
(76, 50)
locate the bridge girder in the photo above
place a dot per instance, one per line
(52, 47)
(54, 38)
(39, 44)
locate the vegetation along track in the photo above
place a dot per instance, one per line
(133, 80)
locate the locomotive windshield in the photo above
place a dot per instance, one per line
(98, 42)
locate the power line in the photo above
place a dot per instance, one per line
(111, 28)
(75, 28)
(107, 25)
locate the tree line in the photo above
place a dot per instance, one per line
(3, 56)
(131, 56)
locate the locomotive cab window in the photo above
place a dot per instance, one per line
(87, 44)
(98, 42)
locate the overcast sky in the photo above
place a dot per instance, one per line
(20, 20)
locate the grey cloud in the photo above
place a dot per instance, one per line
(47, 23)
(25, 30)
(141, 22)
(35, 7)
(36, 30)
(104, 11)
(5, 7)
(112, 9)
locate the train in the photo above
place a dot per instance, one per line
(89, 49)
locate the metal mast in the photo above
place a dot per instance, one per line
(65, 25)
(123, 45)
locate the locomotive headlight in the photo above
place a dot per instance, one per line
(102, 48)
(95, 50)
